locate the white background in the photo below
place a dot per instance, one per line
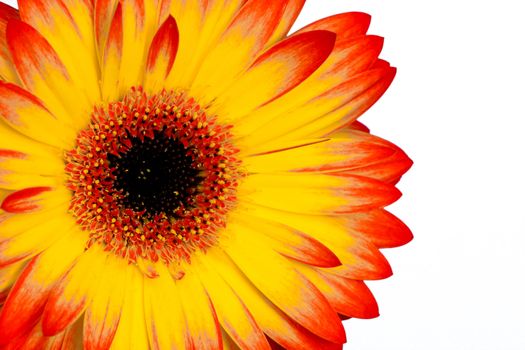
(457, 108)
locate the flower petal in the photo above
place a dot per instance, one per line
(27, 114)
(31, 340)
(349, 112)
(163, 311)
(140, 21)
(228, 343)
(13, 175)
(272, 274)
(315, 117)
(8, 276)
(161, 56)
(360, 259)
(12, 225)
(195, 32)
(203, 327)
(13, 180)
(290, 14)
(275, 323)
(388, 168)
(353, 154)
(14, 162)
(7, 70)
(380, 227)
(26, 200)
(290, 242)
(112, 57)
(70, 296)
(248, 33)
(355, 150)
(132, 320)
(36, 340)
(67, 25)
(351, 55)
(132, 23)
(349, 297)
(289, 63)
(32, 242)
(44, 74)
(202, 24)
(316, 193)
(70, 338)
(347, 25)
(103, 14)
(22, 147)
(29, 294)
(358, 126)
(233, 315)
(104, 311)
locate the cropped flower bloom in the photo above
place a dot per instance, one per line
(183, 174)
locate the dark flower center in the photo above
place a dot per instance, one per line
(152, 177)
(155, 175)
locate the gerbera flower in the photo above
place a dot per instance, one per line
(184, 175)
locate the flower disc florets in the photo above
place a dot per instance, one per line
(152, 177)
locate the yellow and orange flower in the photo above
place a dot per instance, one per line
(182, 174)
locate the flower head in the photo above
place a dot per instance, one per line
(185, 175)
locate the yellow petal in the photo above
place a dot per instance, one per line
(309, 119)
(245, 37)
(12, 225)
(275, 323)
(45, 75)
(203, 326)
(233, 315)
(112, 58)
(200, 26)
(289, 63)
(161, 55)
(311, 193)
(132, 333)
(33, 241)
(29, 294)
(346, 60)
(7, 70)
(8, 275)
(355, 150)
(68, 27)
(360, 259)
(69, 298)
(271, 273)
(104, 311)
(139, 24)
(25, 113)
(163, 311)
(10, 139)
(290, 14)
(189, 15)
